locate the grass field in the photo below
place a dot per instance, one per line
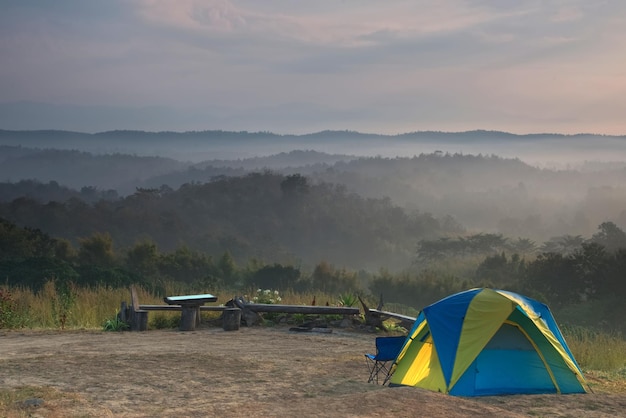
(601, 355)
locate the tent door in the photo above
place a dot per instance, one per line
(507, 364)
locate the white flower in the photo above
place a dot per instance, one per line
(267, 291)
(276, 292)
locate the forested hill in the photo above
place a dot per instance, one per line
(123, 173)
(265, 215)
(482, 193)
(77, 169)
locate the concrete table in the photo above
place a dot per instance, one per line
(190, 305)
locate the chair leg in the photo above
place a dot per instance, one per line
(371, 368)
(382, 368)
(388, 376)
(375, 368)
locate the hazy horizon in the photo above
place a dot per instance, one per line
(541, 150)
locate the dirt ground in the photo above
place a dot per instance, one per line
(254, 372)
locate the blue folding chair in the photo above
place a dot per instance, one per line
(387, 349)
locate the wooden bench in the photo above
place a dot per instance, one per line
(138, 316)
(138, 313)
(191, 306)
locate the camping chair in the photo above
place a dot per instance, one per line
(387, 349)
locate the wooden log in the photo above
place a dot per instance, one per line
(188, 318)
(249, 316)
(302, 309)
(306, 329)
(231, 319)
(405, 320)
(394, 315)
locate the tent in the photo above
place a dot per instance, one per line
(487, 342)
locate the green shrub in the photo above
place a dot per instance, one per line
(298, 318)
(8, 309)
(115, 324)
(347, 300)
(63, 300)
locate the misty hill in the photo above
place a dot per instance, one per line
(295, 158)
(267, 216)
(78, 169)
(123, 173)
(480, 192)
(492, 194)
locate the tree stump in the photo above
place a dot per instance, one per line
(123, 314)
(231, 319)
(139, 320)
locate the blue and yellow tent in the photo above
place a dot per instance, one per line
(487, 342)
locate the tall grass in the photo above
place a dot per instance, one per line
(93, 306)
(596, 350)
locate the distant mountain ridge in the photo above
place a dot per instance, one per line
(480, 133)
(198, 146)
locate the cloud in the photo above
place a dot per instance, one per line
(474, 63)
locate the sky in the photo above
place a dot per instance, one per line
(297, 67)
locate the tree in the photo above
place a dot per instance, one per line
(610, 236)
(565, 244)
(275, 277)
(97, 250)
(143, 259)
(64, 250)
(35, 272)
(294, 185)
(227, 267)
(501, 271)
(615, 285)
(330, 280)
(187, 265)
(524, 246)
(591, 265)
(486, 243)
(553, 275)
(23, 243)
